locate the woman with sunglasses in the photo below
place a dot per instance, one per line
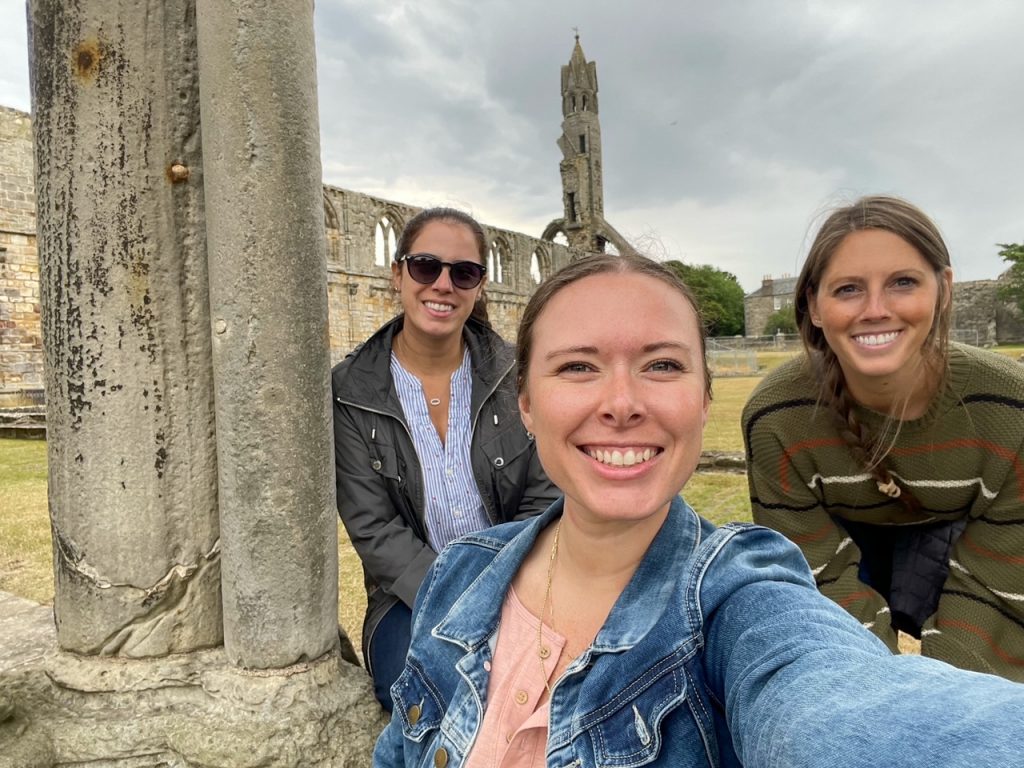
(428, 444)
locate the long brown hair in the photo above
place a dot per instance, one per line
(912, 225)
(416, 224)
(596, 264)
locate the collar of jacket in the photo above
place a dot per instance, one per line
(657, 580)
(492, 359)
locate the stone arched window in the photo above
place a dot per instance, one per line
(498, 261)
(333, 227)
(540, 264)
(385, 240)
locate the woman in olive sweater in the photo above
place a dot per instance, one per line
(892, 456)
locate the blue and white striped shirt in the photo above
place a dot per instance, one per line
(453, 504)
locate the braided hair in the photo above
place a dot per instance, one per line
(870, 449)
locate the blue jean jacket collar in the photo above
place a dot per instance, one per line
(474, 616)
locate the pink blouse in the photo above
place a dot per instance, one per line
(514, 732)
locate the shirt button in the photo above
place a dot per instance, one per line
(414, 714)
(508, 737)
(544, 652)
(441, 758)
(522, 697)
(450, 472)
(457, 512)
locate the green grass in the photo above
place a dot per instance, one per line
(722, 432)
(25, 557)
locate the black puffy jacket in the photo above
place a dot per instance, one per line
(378, 474)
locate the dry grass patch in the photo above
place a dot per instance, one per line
(26, 565)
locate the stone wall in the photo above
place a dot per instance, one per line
(21, 356)
(756, 311)
(980, 318)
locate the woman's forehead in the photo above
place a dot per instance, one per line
(623, 307)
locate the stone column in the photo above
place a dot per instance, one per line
(268, 293)
(126, 326)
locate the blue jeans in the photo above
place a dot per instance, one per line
(388, 647)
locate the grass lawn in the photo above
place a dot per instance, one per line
(26, 567)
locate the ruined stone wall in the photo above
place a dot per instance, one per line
(21, 356)
(980, 318)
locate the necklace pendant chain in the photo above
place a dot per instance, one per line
(541, 655)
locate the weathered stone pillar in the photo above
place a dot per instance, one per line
(126, 326)
(268, 293)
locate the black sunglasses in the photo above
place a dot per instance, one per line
(425, 268)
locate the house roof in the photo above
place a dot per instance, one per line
(780, 286)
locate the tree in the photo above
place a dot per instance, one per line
(1012, 288)
(719, 296)
(781, 321)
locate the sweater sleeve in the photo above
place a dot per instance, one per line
(979, 623)
(785, 497)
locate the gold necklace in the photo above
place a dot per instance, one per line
(542, 652)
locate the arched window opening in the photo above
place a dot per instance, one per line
(497, 258)
(385, 242)
(535, 270)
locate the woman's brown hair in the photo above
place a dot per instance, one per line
(908, 222)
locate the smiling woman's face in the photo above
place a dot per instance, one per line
(876, 305)
(439, 308)
(615, 394)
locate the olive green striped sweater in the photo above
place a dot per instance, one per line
(962, 459)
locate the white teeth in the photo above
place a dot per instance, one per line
(617, 458)
(876, 339)
(439, 307)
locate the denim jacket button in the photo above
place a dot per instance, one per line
(414, 714)
(441, 758)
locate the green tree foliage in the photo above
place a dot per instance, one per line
(781, 321)
(718, 293)
(1013, 288)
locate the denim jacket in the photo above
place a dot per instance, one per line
(719, 652)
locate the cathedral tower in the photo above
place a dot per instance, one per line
(583, 222)
(580, 142)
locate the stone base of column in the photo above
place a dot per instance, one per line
(181, 711)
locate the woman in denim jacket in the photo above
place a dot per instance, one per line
(620, 629)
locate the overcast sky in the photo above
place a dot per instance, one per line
(727, 126)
